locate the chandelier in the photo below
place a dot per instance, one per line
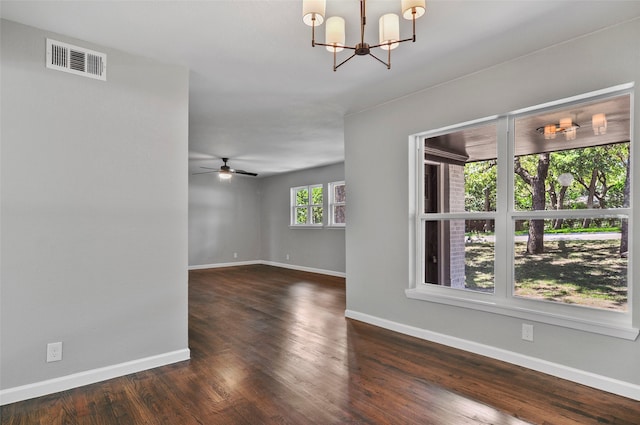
(566, 126)
(313, 12)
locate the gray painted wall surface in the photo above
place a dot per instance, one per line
(321, 248)
(377, 244)
(250, 217)
(94, 211)
(224, 217)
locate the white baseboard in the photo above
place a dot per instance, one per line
(219, 265)
(269, 263)
(593, 380)
(63, 383)
(304, 269)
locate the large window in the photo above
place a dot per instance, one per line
(528, 214)
(307, 205)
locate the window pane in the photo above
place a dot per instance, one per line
(584, 262)
(302, 196)
(339, 214)
(316, 215)
(301, 215)
(573, 158)
(340, 194)
(316, 195)
(460, 171)
(460, 254)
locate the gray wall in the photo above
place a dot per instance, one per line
(224, 218)
(94, 211)
(251, 218)
(321, 248)
(377, 244)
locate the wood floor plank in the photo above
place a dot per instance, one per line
(272, 346)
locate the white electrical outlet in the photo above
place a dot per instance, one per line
(54, 352)
(527, 332)
(235, 255)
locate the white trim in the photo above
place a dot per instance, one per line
(270, 263)
(219, 265)
(484, 302)
(304, 269)
(615, 386)
(503, 300)
(593, 95)
(63, 383)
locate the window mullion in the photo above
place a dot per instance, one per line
(419, 222)
(503, 266)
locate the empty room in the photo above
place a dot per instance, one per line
(319, 212)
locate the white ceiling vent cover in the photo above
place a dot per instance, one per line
(76, 60)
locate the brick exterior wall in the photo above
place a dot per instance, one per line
(456, 227)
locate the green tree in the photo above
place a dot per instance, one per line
(535, 180)
(601, 180)
(316, 201)
(480, 186)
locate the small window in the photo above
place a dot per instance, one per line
(337, 204)
(307, 205)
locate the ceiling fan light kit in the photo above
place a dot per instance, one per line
(313, 13)
(225, 172)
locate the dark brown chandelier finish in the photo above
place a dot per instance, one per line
(313, 12)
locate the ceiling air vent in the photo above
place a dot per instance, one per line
(76, 60)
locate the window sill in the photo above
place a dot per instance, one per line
(616, 329)
(306, 226)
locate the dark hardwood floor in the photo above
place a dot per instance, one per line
(272, 346)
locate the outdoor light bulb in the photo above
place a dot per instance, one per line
(409, 6)
(313, 9)
(389, 30)
(334, 36)
(550, 131)
(599, 123)
(565, 179)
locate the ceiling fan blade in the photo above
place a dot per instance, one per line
(205, 172)
(245, 173)
(208, 168)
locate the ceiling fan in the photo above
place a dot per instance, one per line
(225, 171)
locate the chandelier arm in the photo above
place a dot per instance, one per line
(389, 43)
(331, 45)
(335, 67)
(388, 65)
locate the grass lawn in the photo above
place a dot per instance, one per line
(584, 272)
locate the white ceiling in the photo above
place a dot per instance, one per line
(262, 96)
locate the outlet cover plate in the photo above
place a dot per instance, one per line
(54, 352)
(527, 332)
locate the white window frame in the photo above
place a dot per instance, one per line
(333, 204)
(309, 206)
(502, 301)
